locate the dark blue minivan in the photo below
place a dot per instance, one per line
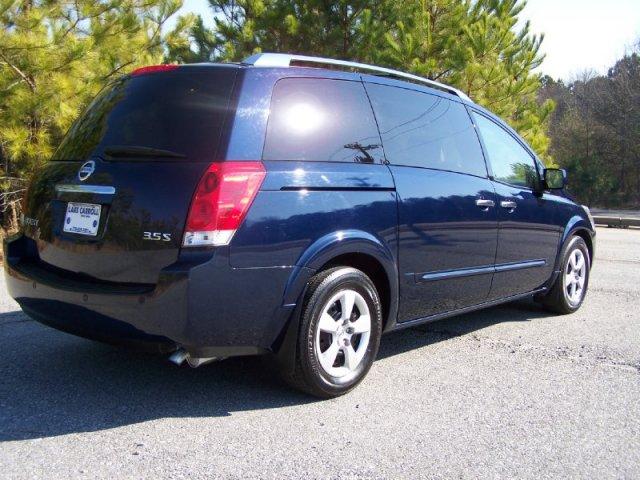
(293, 206)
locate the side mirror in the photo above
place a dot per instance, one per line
(555, 178)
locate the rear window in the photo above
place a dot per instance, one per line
(423, 130)
(321, 120)
(181, 111)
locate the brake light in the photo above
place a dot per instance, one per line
(221, 201)
(153, 69)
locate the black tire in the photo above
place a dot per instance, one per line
(308, 374)
(558, 300)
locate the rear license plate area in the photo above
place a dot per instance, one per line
(82, 218)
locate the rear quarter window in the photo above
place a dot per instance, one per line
(181, 111)
(321, 120)
(423, 130)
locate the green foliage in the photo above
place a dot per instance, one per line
(474, 45)
(595, 133)
(55, 56)
(190, 41)
(317, 27)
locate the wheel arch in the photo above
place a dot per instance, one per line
(373, 269)
(577, 226)
(588, 239)
(352, 248)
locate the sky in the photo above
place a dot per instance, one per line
(580, 35)
(583, 35)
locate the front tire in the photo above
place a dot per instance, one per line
(339, 334)
(570, 287)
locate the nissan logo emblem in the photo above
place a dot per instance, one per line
(86, 170)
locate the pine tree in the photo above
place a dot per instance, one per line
(476, 47)
(55, 56)
(344, 29)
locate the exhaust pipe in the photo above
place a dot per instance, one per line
(181, 355)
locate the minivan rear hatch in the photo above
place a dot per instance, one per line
(112, 204)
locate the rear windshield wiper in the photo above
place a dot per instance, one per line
(124, 151)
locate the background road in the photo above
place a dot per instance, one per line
(616, 213)
(511, 391)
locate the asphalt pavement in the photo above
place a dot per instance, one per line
(503, 393)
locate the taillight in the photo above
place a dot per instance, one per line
(153, 69)
(221, 202)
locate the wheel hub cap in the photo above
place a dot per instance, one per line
(343, 332)
(575, 276)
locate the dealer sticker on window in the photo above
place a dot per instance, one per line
(82, 218)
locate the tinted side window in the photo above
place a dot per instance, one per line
(321, 120)
(510, 162)
(423, 130)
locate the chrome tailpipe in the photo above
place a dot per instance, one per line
(181, 355)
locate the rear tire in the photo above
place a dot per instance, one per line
(570, 287)
(339, 333)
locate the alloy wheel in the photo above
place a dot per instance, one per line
(575, 277)
(342, 333)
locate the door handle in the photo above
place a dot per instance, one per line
(484, 203)
(510, 204)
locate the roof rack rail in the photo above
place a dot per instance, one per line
(286, 60)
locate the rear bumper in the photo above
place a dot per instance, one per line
(200, 303)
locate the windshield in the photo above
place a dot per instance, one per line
(181, 111)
